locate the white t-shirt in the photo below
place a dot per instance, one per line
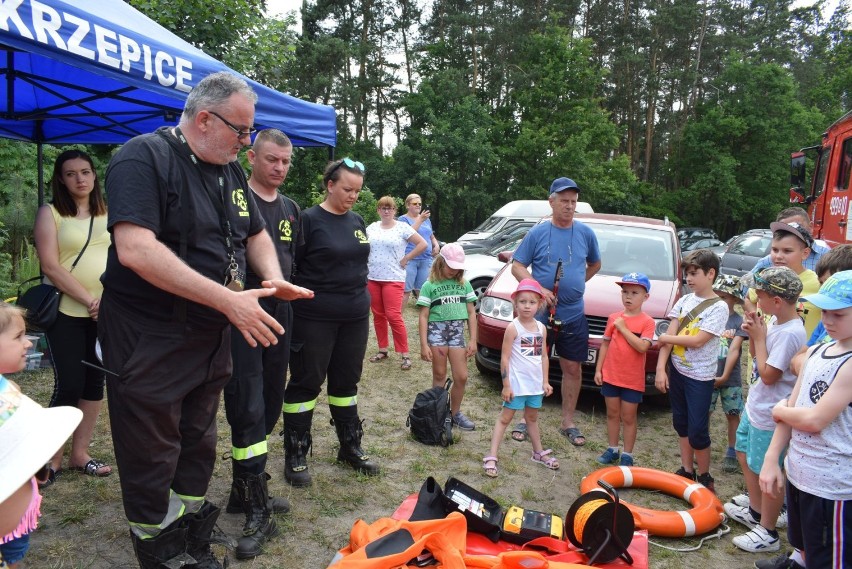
(387, 248)
(525, 361)
(819, 463)
(699, 363)
(783, 341)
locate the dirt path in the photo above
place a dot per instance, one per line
(83, 524)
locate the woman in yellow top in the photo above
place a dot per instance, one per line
(61, 231)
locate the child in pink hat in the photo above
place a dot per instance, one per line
(446, 300)
(523, 368)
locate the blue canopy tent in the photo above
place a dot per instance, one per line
(101, 72)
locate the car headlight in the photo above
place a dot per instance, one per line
(660, 327)
(496, 308)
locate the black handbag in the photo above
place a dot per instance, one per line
(42, 304)
(42, 300)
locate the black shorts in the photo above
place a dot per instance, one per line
(822, 528)
(572, 342)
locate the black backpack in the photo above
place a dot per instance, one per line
(429, 419)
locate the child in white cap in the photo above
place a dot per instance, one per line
(446, 300)
(29, 435)
(523, 368)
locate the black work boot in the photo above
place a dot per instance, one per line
(349, 433)
(297, 445)
(235, 505)
(199, 536)
(168, 549)
(259, 526)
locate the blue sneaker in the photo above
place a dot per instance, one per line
(609, 456)
(625, 460)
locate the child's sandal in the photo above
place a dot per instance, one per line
(542, 458)
(490, 471)
(406, 363)
(379, 357)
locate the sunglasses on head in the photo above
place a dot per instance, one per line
(352, 164)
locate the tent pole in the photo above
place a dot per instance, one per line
(40, 154)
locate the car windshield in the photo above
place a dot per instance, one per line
(752, 245)
(507, 245)
(489, 224)
(640, 249)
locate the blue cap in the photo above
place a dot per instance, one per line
(636, 279)
(562, 184)
(835, 293)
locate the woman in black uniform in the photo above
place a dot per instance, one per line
(330, 330)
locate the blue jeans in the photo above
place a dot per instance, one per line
(690, 400)
(416, 273)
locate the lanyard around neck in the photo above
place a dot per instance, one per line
(218, 202)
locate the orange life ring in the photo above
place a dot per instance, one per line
(705, 515)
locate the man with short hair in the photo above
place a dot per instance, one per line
(184, 229)
(255, 395)
(800, 216)
(571, 244)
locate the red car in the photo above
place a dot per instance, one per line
(627, 244)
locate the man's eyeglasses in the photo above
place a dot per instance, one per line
(237, 131)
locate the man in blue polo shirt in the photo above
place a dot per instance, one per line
(563, 240)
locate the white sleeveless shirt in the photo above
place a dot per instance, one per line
(820, 463)
(525, 360)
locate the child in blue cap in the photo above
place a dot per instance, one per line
(816, 423)
(620, 369)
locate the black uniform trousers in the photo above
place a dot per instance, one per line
(255, 394)
(162, 408)
(321, 349)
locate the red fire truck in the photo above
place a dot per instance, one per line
(828, 197)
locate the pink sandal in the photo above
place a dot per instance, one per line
(542, 458)
(490, 471)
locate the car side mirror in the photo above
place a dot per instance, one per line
(505, 256)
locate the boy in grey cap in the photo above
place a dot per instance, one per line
(772, 344)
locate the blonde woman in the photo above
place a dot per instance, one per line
(417, 270)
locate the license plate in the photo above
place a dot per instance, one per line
(591, 355)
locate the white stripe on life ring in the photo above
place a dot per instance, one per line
(628, 476)
(688, 523)
(690, 489)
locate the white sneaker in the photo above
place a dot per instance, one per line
(741, 500)
(757, 541)
(740, 514)
(782, 518)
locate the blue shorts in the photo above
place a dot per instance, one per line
(449, 333)
(754, 443)
(519, 402)
(572, 342)
(15, 550)
(732, 399)
(624, 393)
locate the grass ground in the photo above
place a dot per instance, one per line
(83, 524)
